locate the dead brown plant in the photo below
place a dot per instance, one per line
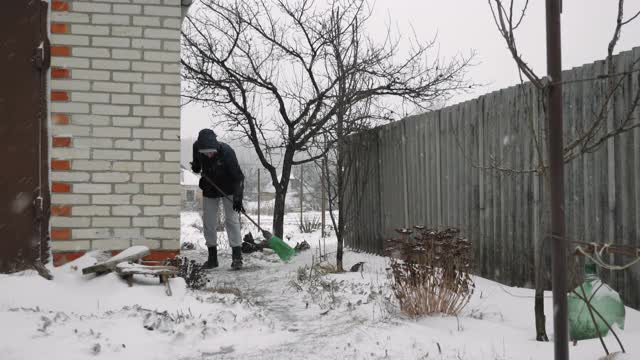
(430, 271)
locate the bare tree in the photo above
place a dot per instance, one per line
(283, 73)
(507, 19)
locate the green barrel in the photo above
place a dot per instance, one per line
(284, 251)
(603, 298)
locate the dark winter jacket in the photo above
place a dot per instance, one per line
(223, 168)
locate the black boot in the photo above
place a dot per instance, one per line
(236, 258)
(212, 262)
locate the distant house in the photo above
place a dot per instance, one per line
(268, 192)
(90, 110)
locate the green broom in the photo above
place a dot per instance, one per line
(284, 251)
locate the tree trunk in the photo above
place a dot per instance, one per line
(339, 235)
(341, 213)
(541, 320)
(278, 213)
(281, 194)
(540, 267)
(340, 180)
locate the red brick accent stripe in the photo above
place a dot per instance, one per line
(158, 255)
(59, 28)
(60, 210)
(60, 164)
(60, 234)
(60, 187)
(60, 50)
(61, 141)
(59, 96)
(59, 5)
(60, 119)
(61, 258)
(60, 73)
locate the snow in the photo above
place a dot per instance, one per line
(134, 250)
(188, 178)
(270, 310)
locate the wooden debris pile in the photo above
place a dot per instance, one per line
(431, 270)
(129, 262)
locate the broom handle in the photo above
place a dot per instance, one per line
(226, 197)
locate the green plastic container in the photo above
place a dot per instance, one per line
(284, 251)
(605, 300)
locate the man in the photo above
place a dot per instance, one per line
(218, 163)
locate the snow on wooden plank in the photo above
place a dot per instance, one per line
(133, 253)
(129, 268)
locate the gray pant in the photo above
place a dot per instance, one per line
(210, 221)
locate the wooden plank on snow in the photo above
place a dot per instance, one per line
(133, 253)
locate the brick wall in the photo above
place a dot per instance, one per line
(115, 125)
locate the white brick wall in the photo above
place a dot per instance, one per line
(111, 199)
(70, 176)
(75, 245)
(90, 29)
(113, 87)
(151, 244)
(90, 188)
(67, 153)
(146, 178)
(70, 39)
(128, 31)
(91, 210)
(71, 199)
(63, 221)
(127, 210)
(110, 19)
(161, 210)
(71, 130)
(127, 9)
(146, 155)
(146, 200)
(152, 221)
(111, 177)
(123, 117)
(129, 166)
(127, 121)
(90, 75)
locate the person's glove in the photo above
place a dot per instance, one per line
(195, 169)
(237, 205)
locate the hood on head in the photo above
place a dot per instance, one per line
(207, 140)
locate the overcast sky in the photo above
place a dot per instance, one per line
(465, 25)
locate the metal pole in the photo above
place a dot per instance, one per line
(259, 209)
(323, 208)
(301, 192)
(556, 174)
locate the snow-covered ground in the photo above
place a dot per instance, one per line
(270, 310)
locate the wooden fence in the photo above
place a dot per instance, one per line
(468, 165)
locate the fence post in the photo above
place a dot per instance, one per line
(301, 192)
(259, 209)
(556, 185)
(438, 171)
(405, 184)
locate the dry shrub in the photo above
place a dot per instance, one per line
(309, 224)
(194, 275)
(430, 271)
(225, 290)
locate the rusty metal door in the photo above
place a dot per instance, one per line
(24, 170)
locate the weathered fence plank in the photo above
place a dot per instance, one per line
(440, 169)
